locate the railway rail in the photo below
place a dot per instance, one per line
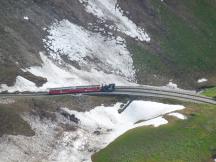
(145, 91)
(159, 92)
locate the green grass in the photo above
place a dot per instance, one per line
(146, 63)
(211, 92)
(190, 44)
(192, 140)
(187, 38)
(145, 60)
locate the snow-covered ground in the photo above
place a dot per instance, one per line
(110, 10)
(90, 50)
(21, 85)
(60, 76)
(26, 18)
(172, 85)
(178, 115)
(94, 57)
(96, 129)
(99, 60)
(202, 80)
(29, 149)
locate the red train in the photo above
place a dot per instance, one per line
(82, 89)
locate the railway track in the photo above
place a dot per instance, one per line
(33, 94)
(159, 92)
(145, 91)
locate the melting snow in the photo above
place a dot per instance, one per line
(58, 76)
(20, 148)
(94, 58)
(99, 59)
(96, 129)
(89, 50)
(62, 77)
(110, 10)
(202, 80)
(21, 85)
(172, 85)
(102, 125)
(178, 115)
(26, 18)
(156, 122)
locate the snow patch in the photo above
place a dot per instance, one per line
(102, 125)
(178, 115)
(172, 85)
(90, 50)
(145, 110)
(21, 85)
(96, 129)
(58, 76)
(156, 122)
(202, 80)
(26, 18)
(31, 149)
(93, 59)
(110, 10)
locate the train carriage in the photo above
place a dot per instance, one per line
(82, 89)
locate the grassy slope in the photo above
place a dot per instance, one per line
(192, 140)
(191, 44)
(146, 63)
(211, 92)
(187, 38)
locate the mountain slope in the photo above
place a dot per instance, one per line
(148, 42)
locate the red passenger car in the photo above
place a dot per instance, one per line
(75, 89)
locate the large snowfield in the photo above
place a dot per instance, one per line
(95, 130)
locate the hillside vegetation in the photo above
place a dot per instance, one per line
(191, 140)
(211, 92)
(183, 42)
(182, 48)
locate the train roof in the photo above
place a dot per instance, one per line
(74, 87)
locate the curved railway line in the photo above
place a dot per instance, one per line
(143, 91)
(159, 92)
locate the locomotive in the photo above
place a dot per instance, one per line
(82, 89)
